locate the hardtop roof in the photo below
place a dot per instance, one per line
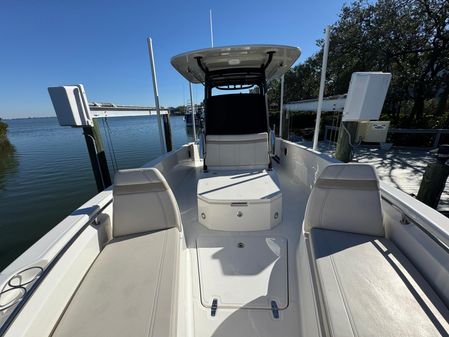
(194, 65)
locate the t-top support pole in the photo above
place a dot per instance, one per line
(281, 107)
(192, 107)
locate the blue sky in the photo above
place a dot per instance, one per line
(102, 44)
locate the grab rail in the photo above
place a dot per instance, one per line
(432, 223)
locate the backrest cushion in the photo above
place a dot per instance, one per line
(236, 114)
(248, 151)
(346, 198)
(143, 202)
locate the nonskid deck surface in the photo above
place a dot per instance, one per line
(243, 271)
(243, 313)
(203, 282)
(235, 185)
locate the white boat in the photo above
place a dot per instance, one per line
(237, 237)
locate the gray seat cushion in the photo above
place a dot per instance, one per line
(369, 288)
(130, 290)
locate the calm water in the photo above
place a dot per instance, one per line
(50, 175)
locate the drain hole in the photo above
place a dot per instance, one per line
(240, 245)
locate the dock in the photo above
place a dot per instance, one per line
(99, 110)
(400, 167)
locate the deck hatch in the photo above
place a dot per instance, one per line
(243, 271)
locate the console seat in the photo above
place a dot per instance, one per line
(131, 288)
(238, 191)
(364, 283)
(246, 151)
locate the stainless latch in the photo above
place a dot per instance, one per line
(274, 309)
(213, 309)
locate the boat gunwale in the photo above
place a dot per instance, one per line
(106, 200)
(29, 292)
(428, 220)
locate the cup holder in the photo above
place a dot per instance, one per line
(16, 287)
(24, 277)
(11, 296)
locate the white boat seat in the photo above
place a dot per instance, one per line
(131, 288)
(346, 197)
(247, 151)
(369, 288)
(365, 285)
(143, 202)
(237, 200)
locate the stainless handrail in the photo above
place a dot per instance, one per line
(423, 221)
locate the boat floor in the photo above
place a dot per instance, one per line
(242, 309)
(243, 271)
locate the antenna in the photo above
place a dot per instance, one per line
(211, 29)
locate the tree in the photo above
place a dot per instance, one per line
(409, 38)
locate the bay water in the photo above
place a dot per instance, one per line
(49, 175)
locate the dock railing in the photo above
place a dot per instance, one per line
(436, 132)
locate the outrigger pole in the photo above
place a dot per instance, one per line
(321, 94)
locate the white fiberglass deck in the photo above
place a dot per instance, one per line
(340, 280)
(270, 277)
(243, 271)
(238, 185)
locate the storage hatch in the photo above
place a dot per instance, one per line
(248, 272)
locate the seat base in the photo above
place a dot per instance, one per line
(239, 200)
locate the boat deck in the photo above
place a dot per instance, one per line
(259, 281)
(202, 282)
